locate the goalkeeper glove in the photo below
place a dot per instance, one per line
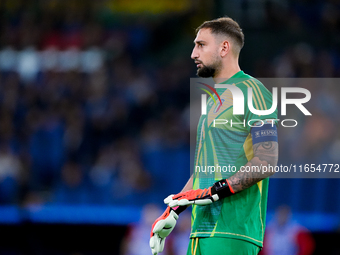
(219, 190)
(162, 227)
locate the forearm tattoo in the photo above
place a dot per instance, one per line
(265, 154)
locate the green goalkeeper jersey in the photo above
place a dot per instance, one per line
(221, 150)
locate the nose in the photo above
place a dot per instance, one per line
(194, 53)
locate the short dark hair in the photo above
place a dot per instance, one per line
(225, 26)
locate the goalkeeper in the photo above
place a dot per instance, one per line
(228, 208)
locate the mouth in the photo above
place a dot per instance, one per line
(198, 64)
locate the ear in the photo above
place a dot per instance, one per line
(225, 48)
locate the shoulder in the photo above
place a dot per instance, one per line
(251, 82)
(262, 97)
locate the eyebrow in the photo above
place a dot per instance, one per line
(200, 41)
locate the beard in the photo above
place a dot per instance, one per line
(206, 71)
(212, 70)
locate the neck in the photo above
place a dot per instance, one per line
(227, 72)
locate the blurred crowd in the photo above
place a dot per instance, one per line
(285, 236)
(94, 105)
(83, 118)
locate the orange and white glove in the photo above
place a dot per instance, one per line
(219, 190)
(162, 227)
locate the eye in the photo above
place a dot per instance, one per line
(200, 45)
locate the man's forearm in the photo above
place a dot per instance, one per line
(188, 185)
(265, 154)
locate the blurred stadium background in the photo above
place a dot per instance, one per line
(93, 100)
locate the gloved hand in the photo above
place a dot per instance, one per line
(161, 228)
(198, 197)
(219, 190)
